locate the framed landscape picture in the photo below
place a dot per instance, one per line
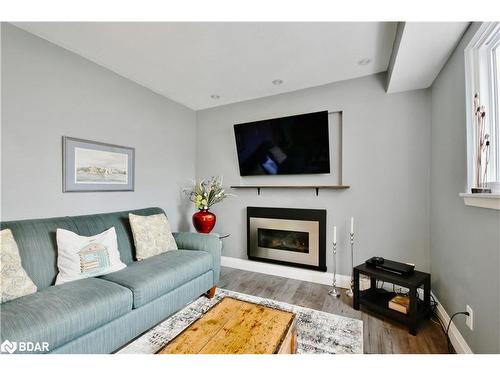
(96, 166)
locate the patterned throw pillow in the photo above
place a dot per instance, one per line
(152, 235)
(80, 257)
(15, 281)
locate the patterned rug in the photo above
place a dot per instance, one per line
(317, 332)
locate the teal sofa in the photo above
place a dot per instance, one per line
(102, 314)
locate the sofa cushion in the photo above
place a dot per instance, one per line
(90, 225)
(14, 280)
(153, 277)
(152, 235)
(36, 240)
(81, 257)
(61, 313)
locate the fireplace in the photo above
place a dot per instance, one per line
(287, 236)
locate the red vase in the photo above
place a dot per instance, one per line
(204, 221)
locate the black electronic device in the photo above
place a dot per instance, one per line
(390, 266)
(288, 145)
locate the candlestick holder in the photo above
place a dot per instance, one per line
(350, 293)
(334, 291)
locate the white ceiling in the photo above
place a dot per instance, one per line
(420, 51)
(188, 62)
(191, 61)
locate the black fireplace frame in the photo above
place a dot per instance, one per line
(291, 214)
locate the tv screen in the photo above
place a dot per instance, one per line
(287, 145)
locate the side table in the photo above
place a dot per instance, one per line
(377, 300)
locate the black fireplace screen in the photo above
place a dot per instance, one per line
(283, 240)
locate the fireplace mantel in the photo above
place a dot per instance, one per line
(316, 187)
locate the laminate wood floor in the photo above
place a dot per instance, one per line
(380, 335)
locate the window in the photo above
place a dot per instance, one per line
(482, 61)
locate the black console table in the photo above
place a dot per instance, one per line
(377, 300)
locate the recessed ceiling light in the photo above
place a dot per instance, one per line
(364, 61)
(277, 82)
(215, 96)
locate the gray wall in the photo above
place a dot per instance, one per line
(48, 92)
(386, 156)
(465, 241)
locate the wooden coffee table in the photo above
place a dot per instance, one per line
(237, 327)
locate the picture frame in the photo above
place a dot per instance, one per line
(90, 166)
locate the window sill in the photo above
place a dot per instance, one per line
(491, 200)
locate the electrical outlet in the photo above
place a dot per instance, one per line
(469, 321)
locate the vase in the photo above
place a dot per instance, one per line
(204, 221)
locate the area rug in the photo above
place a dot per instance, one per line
(318, 332)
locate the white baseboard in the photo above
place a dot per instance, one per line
(325, 278)
(456, 338)
(343, 281)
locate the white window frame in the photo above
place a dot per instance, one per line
(480, 77)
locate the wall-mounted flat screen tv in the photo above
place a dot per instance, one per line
(286, 145)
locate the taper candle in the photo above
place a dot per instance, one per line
(352, 225)
(334, 234)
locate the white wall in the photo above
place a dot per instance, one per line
(386, 156)
(465, 241)
(48, 92)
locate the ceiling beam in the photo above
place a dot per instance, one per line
(420, 51)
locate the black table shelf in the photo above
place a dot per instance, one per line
(377, 300)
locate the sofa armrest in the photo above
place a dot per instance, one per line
(202, 242)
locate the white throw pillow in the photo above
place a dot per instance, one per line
(152, 235)
(80, 257)
(15, 282)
